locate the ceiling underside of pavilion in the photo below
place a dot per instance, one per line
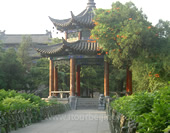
(81, 47)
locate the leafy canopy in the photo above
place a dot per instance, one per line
(123, 32)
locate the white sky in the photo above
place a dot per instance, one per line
(31, 16)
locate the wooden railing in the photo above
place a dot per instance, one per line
(13, 120)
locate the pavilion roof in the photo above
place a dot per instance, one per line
(79, 47)
(83, 19)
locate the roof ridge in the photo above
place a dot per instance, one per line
(24, 34)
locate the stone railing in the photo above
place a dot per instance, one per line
(61, 93)
(118, 122)
(13, 120)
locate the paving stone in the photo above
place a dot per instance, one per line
(75, 121)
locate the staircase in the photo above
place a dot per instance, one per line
(87, 103)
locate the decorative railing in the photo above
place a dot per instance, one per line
(61, 93)
(118, 122)
(12, 120)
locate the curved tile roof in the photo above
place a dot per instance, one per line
(65, 48)
(84, 18)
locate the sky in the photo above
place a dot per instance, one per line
(31, 16)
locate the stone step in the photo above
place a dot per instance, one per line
(87, 107)
(85, 99)
(87, 103)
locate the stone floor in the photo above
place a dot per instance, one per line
(76, 121)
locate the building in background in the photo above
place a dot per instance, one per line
(14, 40)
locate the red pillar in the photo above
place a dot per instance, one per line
(51, 77)
(106, 78)
(129, 81)
(78, 80)
(55, 79)
(72, 77)
(79, 35)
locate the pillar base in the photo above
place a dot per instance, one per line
(72, 102)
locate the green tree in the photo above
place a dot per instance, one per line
(11, 71)
(55, 41)
(63, 77)
(23, 54)
(124, 33)
(152, 69)
(39, 74)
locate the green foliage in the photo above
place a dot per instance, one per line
(39, 73)
(23, 54)
(117, 79)
(64, 76)
(4, 94)
(92, 78)
(35, 100)
(11, 71)
(55, 41)
(95, 80)
(123, 31)
(153, 67)
(150, 110)
(131, 41)
(158, 119)
(134, 105)
(11, 100)
(27, 108)
(16, 103)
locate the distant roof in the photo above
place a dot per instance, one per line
(79, 47)
(83, 19)
(17, 38)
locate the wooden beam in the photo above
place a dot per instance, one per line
(72, 77)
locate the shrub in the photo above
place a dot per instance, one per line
(4, 94)
(150, 110)
(16, 103)
(11, 100)
(158, 119)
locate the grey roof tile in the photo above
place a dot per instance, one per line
(17, 38)
(78, 47)
(84, 18)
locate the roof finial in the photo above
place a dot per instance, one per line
(91, 4)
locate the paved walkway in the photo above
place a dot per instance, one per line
(76, 121)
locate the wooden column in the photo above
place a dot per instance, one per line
(78, 80)
(79, 35)
(51, 77)
(72, 77)
(55, 79)
(129, 81)
(106, 78)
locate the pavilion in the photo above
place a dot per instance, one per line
(78, 48)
